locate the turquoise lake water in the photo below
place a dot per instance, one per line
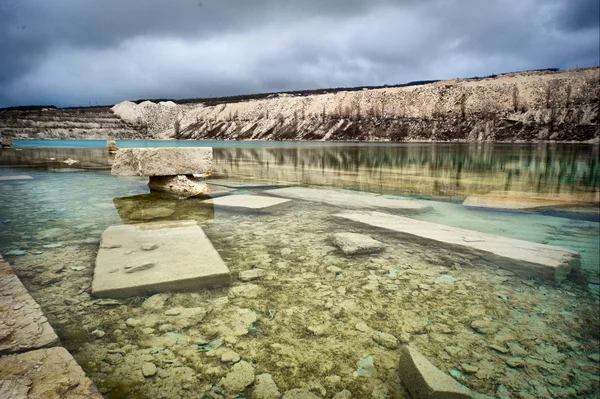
(300, 324)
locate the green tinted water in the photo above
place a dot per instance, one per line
(303, 323)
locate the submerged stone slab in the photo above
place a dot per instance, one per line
(155, 257)
(425, 381)
(162, 161)
(23, 326)
(251, 203)
(527, 201)
(44, 373)
(522, 257)
(351, 200)
(354, 243)
(15, 177)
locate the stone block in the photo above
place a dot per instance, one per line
(354, 243)
(250, 203)
(162, 161)
(143, 259)
(23, 326)
(44, 373)
(522, 257)
(351, 199)
(425, 381)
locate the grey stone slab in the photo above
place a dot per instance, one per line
(354, 243)
(155, 257)
(162, 161)
(425, 381)
(23, 326)
(44, 373)
(250, 203)
(351, 199)
(15, 177)
(522, 257)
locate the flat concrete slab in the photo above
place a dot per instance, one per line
(529, 201)
(15, 177)
(250, 203)
(522, 257)
(424, 381)
(44, 373)
(162, 161)
(23, 326)
(351, 199)
(156, 207)
(143, 259)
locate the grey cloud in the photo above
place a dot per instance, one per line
(77, 52)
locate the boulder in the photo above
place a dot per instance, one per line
(162, 161)
(240, 376)
(180, 185)
(182, 258)
(522, 257)
(425, 381)
(354, 243)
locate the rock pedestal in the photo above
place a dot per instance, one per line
(171, 170)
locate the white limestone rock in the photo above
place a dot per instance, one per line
(265, 388)
(180, 185)
(354, 243)
(240, 376)
(162, 161)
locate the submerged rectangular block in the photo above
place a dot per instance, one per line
(15, 177)
(522, 257)
(529, 201)
(251, 203)
(44, 373)
(148, 258)
(23, 326)
(352, 200)
(162, 161)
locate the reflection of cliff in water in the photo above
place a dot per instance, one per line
(454, 170)
(53, 158)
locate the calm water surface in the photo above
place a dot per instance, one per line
(303, 323)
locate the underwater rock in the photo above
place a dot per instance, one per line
(98, 333)
(484, 326)
(250, 203)
(386, 340)
(245, 290)
(502, 392)
(424, 380)
(522, 257)
(351, 200)
(184, 260)
(16, 252)
(344, 394)
(445, 279)
(45, 373)
(149, 369)
(16, 177)
(252, 274)
(354, 243)
(594, 357)
(265, 388)
(162, 161)
(240, 376)
(299, 393)
(179, 185)
(366, 367)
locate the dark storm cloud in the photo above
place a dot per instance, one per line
(80, 52)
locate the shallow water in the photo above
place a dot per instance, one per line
(304, 322)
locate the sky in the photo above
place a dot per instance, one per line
(90, 52)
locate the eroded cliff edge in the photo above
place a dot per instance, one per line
(523, 106)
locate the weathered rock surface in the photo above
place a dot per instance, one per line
(162, 161)
(23, 326)
(180, 185)
(354, 243)
(240, 376)
(299, 393)
(184, 259)
(250, 203)
(423, 380)
(265, 388)
(44, 373)
(252, 274)
(522, 257)
(351, 200)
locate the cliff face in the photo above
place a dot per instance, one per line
(528, 106)
(81, 123)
